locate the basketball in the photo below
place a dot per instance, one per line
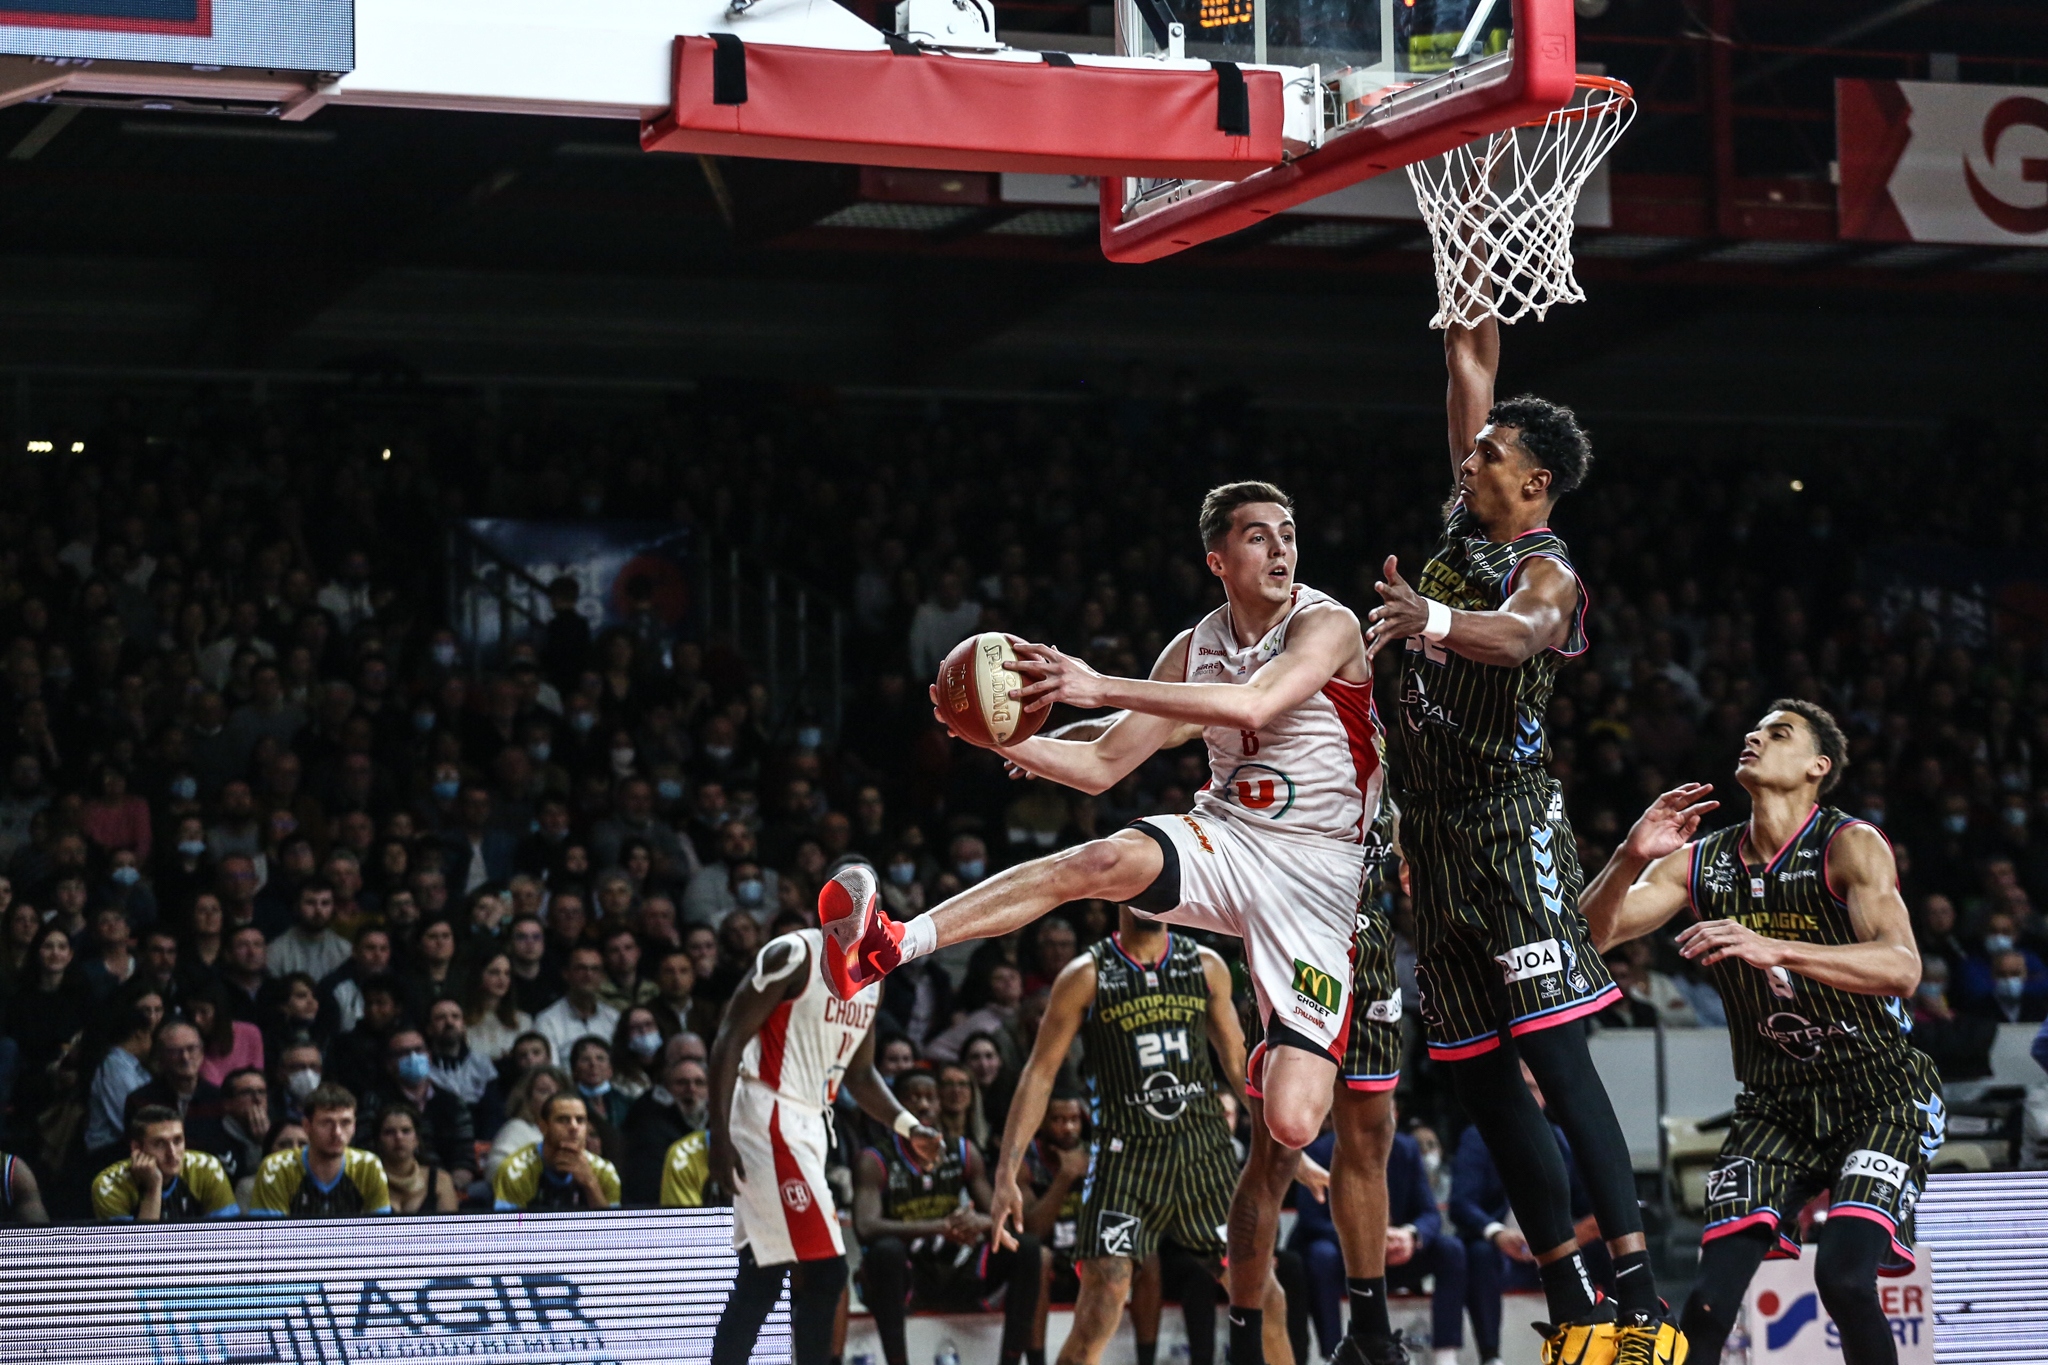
(974, 693)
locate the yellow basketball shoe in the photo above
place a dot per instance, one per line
(1593, 1342)
(1644, 1340)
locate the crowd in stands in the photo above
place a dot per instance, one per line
(373, 920)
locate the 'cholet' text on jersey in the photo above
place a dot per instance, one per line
(1316, 769)
(803, 1049)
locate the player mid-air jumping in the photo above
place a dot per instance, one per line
(1798, 919)
(1273, 852)
(1506, 968)
(787, 1044)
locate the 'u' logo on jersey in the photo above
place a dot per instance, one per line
(1261, 789)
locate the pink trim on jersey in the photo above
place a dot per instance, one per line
(774, 1041)
(1507, 589)
(1762, 1216)
(1749, 837)
(1592, 1004)
(1361, 722)
(1829, 847)
(1251, 1071)
(809, 1238)
(1478, 1047)
(1373, 1086)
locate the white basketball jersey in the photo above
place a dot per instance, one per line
(1316, 769)
(803, 1049)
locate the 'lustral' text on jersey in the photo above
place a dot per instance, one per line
(1473, 727)
(1315, 769)
(1787, 1030)
(1145, 1043)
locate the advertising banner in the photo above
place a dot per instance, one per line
(1930, 162)
(616, 564)
(1785, 1323)
(289, 35)
(562, 1288)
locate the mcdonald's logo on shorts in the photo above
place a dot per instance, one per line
(1316, 985)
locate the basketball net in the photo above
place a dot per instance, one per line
(1499, 209)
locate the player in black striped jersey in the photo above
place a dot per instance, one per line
(1505, 968)
(1798, 919)
(1149, 1006)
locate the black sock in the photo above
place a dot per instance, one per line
(1568, 1288)
(1635, 1288)
(1034, 1355)
(1146, 1351)
(1369, 1309)
(1247, 1336)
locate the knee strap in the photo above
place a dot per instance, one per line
(1164, 893)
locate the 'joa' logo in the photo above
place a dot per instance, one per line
(1317, 985)
(1261, 789)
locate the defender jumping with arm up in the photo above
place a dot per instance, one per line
(1505, 965)
(1798, 919)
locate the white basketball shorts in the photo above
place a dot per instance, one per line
(1292, 900)
(782, 1208)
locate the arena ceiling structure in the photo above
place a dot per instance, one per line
(172, 237)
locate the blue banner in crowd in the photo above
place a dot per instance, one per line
(623, 570)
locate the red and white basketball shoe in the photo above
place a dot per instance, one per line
(860, 941)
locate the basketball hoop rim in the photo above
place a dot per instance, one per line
(1617, 94)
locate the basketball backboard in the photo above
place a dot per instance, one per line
(1391, 81)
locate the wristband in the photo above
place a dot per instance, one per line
(1493, 1230)
(906, 1122)
(1439, 623)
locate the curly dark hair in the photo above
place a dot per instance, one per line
(1828, 740)
(1552, 436)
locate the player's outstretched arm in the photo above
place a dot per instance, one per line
(1622, 903)
(1537, 616)
(879, 1102)
(1098, 761)
(1095, 727)
(1472, 356)
(1073, 994)
(1226, 1035)
(1321, 640)
(1883, 961)
(779, 974)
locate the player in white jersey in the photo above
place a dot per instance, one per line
(786, 1047)
(1277, 681)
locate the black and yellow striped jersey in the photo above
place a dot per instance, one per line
(1145, 1042)
(916, 1194)
(1473, 727)
(287, 1188)
(1785, 1029)
(1041, 1165)
(200, 1189)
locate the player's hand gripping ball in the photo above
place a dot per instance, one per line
(972, 695)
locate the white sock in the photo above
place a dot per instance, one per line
(1446, 1355)
(920, 936)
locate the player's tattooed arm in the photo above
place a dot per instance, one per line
(778, 975)
(879, 1102)
(1472, 357)
(1883, 961)
(1537, 615)
(1073, 993)
(1645, 883)
(1226, 1035)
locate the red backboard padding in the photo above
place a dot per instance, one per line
(967, 114)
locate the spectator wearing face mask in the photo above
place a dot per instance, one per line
(636, 1042)
(633, 817)
(1979, 993)
(1960, 1044)
(967, 856)
(446, 1129)
(590, 1065)
(736, 881)
(2019, 991)
(296, 1074)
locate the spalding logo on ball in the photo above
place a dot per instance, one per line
(974, 693)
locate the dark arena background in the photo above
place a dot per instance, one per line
(412, 489)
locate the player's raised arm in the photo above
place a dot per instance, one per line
(1321, 640)
(1073, 993)
(1883, 961)
(1536, 616)
(1226, 1035)
(1472, 356)
(779, 974)
(1622, 903)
